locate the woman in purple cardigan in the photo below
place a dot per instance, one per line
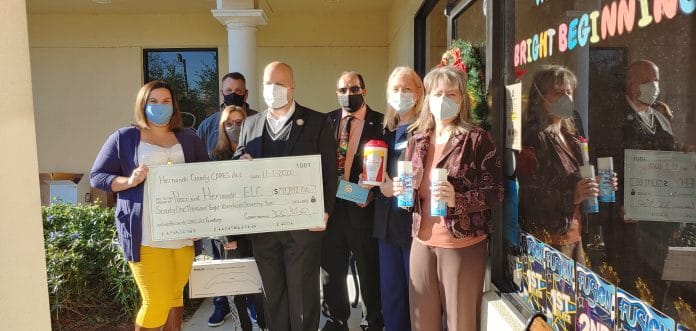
(160, 268)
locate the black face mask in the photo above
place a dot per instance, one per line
(351, 103)
(234, 99)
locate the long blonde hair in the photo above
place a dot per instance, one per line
(224, 148)
(451, 77)
(391, 117)
(536, 118)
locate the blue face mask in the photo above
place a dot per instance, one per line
(158, 113)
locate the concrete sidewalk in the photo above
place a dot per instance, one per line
(199, 321)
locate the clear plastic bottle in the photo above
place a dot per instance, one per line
(405, 173)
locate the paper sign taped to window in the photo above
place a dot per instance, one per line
(513, 132)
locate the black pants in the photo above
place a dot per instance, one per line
(340, 240)
(289, 266)
(621, 246)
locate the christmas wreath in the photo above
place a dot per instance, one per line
(466, 57)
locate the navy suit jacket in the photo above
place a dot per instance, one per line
(392, 223)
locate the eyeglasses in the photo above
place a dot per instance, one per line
(352, 89)
(234, 123)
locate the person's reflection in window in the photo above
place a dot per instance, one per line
(646, 121)
(646, 125)
(551, 188)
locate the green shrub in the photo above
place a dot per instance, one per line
(88, 279)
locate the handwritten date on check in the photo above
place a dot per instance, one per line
(211, 199)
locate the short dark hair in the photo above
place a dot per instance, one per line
(235, 76)
(361, 81)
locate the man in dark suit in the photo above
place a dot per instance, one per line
(351, 225)
(644, 126)
(289, 261)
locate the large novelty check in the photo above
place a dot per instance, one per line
(234, 197)
(660, 186)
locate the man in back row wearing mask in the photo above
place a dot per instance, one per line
(233, 91)
(351, 225)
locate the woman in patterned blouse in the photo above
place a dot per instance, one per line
(551, 188)
(448, 254)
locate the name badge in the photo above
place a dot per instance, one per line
(400, 146)
(351, 192)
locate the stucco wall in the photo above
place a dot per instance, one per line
(23, 289)
(319, 46)
(87, 68)
(400, 32)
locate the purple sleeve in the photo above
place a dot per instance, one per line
(200, 151)
(107, 166)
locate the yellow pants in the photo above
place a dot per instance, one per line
(161, 276)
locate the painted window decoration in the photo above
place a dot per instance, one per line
(606, 173)
(573, 297)
(192, 73)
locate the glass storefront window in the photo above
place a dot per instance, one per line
(436, 27)
(618, 75)
(192, 73)
(470, 24)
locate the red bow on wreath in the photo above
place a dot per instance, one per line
(456, 55)
(459, 64)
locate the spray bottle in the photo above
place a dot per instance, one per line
(405, 173)
(438, 207)
(605, 167)
(590, 205)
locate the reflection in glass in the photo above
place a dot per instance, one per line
(436, 35)
(192, 73)
(635, 63)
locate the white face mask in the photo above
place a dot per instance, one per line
(276, 96)
(233, 132)
(649, 92)
(443, 108)
(401, 102)
(563, 107)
